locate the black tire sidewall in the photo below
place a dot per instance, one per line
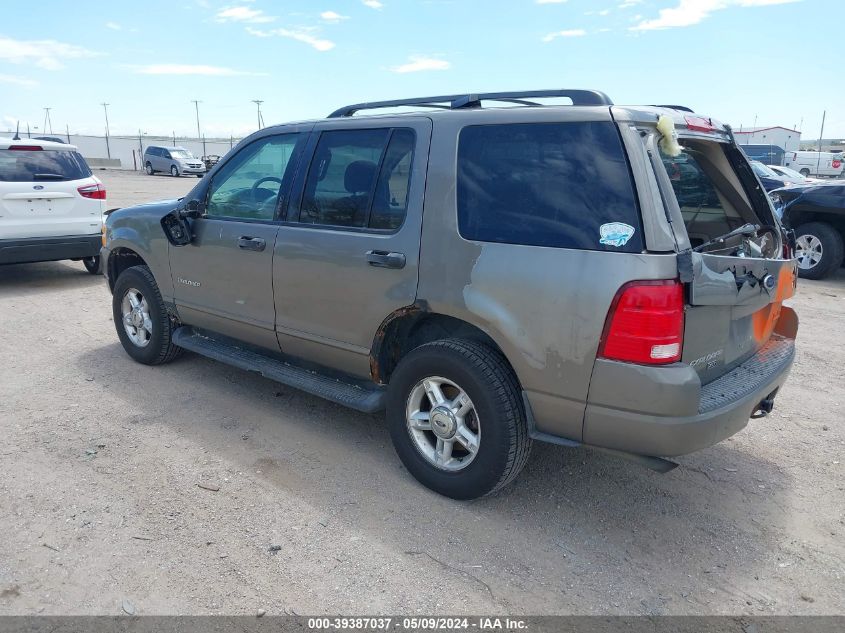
(160, 338)
(94, 269)
(174, 168)
(149, 169)
(486, 470)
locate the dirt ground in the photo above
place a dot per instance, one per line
(307, 510)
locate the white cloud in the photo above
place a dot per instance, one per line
(373, 4)
(417, 64)
(114, 26)
(18, 81)
(188, 69)
(629, 3)
(565, 33)
(300, 35)
(550, 1)
(331, 16)
(47, 54)
(689, 12)
(243, 14)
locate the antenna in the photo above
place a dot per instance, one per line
(17, 136)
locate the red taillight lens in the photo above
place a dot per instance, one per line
(645, 323)
(27, 148)
(699, 124)
(97, 192)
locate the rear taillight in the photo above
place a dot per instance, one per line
(97, 192)
(645, 323)
(27, 148)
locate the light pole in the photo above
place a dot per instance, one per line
(106, 111)
(258, 103)
(197, 107)
(47, 120)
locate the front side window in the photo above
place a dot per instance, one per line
(359, 179)
(249, 185)
(564, 185)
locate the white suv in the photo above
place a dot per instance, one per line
(51, 205)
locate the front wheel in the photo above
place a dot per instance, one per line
(456, 418)
(141, 319)
(174, 171)
(818, 249)
(92, 264)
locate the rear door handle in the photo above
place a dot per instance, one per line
(252, 243)
(384, 259)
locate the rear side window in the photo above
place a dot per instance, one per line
(359, 179)
(41, 165)
(565, 185)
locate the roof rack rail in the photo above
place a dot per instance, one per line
(579, 98)
(674, 107)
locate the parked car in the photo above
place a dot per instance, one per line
(51, 205)
(817, 214)
(770, 179)
(173, 160)
(489, 276)
(766, 154)
(792, 177)
(816, 163)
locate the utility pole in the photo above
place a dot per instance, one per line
(47, 120)
(821, 136)
(106, 111)
(197, 106)
(258, 103)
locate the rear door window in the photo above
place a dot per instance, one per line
(41, 165)
(564, 185)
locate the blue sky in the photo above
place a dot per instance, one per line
(780, 61)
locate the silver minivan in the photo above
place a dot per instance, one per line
(173, 160)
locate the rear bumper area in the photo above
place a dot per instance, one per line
(664, 411)
(47, 249)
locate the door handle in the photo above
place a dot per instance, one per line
(384, 259)
(252, 243)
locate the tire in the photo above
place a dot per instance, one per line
(497, 413)
(149, 169)
(819, 250)
(199, 175)
(174, 171)
(159, 347)
(92, 264)
(804, 172)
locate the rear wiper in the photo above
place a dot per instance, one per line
(48, 177)
(745, 229)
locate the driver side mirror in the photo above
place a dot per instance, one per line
(176, 226)
(193, 210)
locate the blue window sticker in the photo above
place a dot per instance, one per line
(615, 233)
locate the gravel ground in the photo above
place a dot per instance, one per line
(196, 488)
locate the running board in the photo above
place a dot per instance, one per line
(346, 394)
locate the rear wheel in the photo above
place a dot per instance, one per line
(149, 169)
(141, 319)
(456, 418)
(819, 250)
(92, 264)
(174, 171)
(804, 172)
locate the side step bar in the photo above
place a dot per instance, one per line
(346, 394)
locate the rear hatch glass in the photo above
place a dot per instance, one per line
(736, 284)
(41, 165)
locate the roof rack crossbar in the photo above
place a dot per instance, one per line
(578, 97)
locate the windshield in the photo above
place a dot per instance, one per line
(761, 170)
(181, 153)
(38, 165)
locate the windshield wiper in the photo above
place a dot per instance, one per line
(49, 177)
(745, 229)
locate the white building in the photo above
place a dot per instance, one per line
(785, 138)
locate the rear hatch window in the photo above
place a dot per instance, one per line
(41, 165)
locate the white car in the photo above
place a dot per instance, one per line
(51, 205)
(792, 176)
